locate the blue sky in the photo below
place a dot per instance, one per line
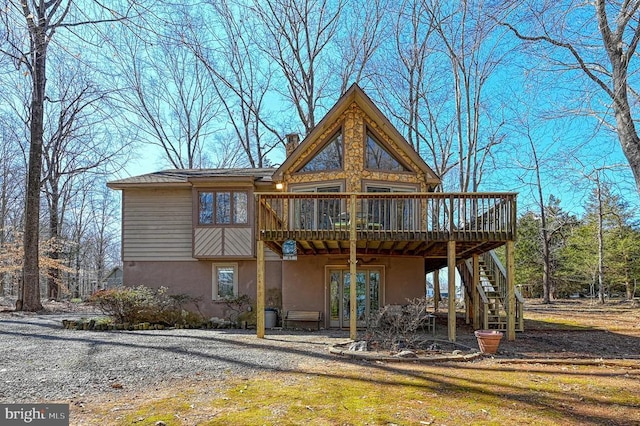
(555, 108)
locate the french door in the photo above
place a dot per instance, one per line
(313, 214)
(368, 293)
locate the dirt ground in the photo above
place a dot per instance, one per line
(569, 342)
(578, 329)
(575, 328)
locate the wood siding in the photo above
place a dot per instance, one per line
(156, 224)
(212, 242)
(207, 242)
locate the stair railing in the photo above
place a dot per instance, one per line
(494, 265)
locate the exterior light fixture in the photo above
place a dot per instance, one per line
(279, 186)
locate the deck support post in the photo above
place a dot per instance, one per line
(451, 266)
(260, 296)
(436, 290)
(475, 282)
(511, 294)
(468, 309)
(353, 265)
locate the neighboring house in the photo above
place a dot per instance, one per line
(114, 278)
(352, 199)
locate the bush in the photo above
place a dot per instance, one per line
(395, 327)
(239, 309)
(140, 304)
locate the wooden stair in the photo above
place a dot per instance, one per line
(495, 308)
(492, 290)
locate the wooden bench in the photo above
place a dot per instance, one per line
(303, 316)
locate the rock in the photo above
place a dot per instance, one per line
(406, 354)
(456, 352)
(360, 346)
(219, 322)
(160, 423)
(401, 344)
(434, 347)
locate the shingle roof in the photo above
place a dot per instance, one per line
(182, 176)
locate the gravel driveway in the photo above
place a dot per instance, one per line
(42, 362)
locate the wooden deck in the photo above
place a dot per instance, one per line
(391, 224)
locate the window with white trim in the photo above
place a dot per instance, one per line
(311, 213)
(225, 281)
(400, 214)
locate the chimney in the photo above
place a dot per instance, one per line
(292, 143)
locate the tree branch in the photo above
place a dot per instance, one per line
(581, 63)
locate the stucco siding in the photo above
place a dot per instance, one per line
(305, 286)
(196, 280)
(157, 224)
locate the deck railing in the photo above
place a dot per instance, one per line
(440, 215)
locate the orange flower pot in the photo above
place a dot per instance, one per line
(488, 340)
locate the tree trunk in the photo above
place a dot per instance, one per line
(619, 59)
(600, 243)
(53, 281)
(546, 287)
(547, 291)
(628, 286)
(30, 295)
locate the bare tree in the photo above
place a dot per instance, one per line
(30, 27)
(474, 47)
(297, 37)
(538, 158)
(413, 30)
(242, 80)
(601, 207)
(75, 144)
(445, 56)
(572, 30)
(364, 33)
(11, 195)
(171, 102)
(411, 84)
(103, 238)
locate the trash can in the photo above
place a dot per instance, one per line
(270, 317)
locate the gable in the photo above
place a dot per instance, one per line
(356, 119)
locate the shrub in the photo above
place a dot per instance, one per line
(238, 308)
(395, 327)
(140, 304)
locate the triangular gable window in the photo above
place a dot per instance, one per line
(330, 157)
(378, 158)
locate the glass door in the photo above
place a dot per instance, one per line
(314, 214)
(367, 296)
(395, 214)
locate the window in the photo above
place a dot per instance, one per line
(225, 281)
(230, 207)
(399, 214)
(378, 158)
(329, 157)
(313, 213)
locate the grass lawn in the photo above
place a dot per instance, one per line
(493, 391)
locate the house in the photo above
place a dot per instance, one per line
(113, 279)
(353, 199)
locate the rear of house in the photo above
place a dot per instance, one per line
(353, 199)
